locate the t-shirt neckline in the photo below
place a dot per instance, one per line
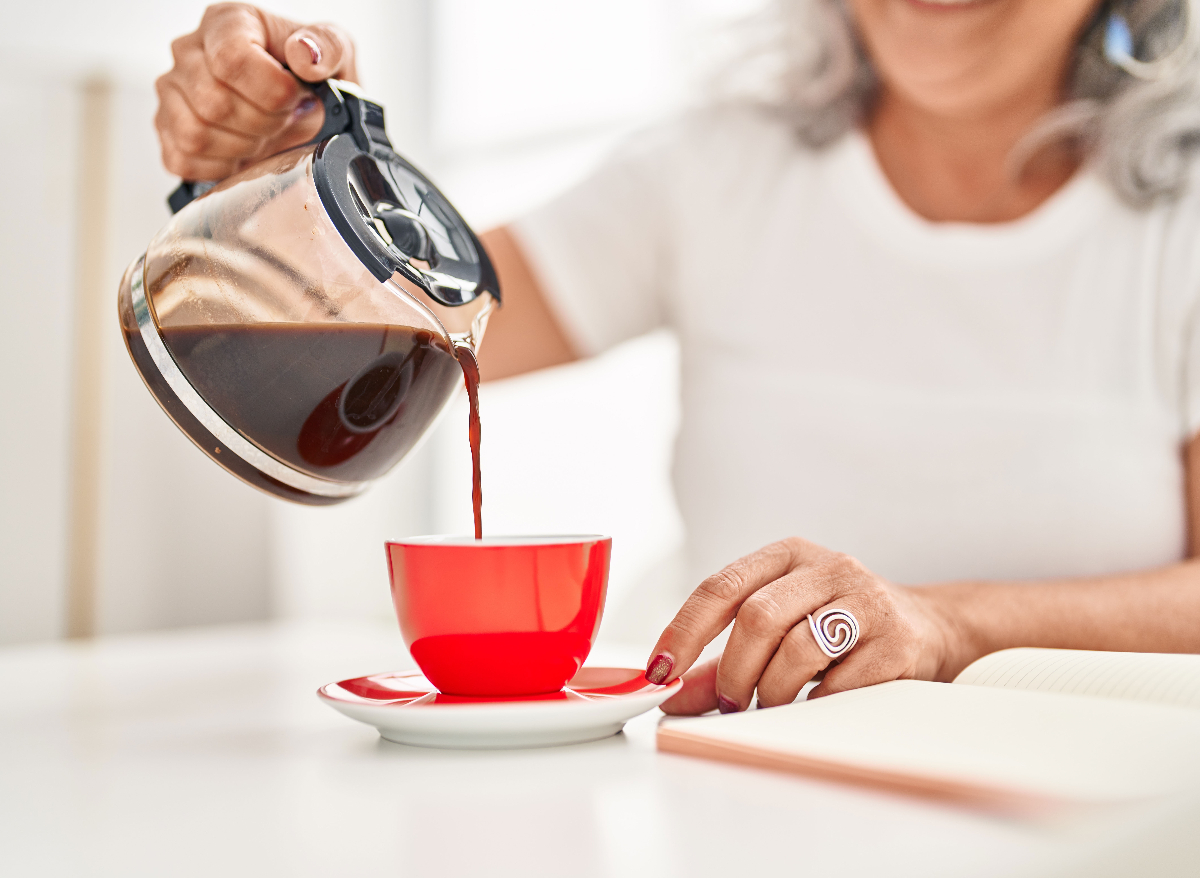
(868, 196)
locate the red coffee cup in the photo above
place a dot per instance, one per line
(502, 616)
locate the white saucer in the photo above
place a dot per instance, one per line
(406, 709)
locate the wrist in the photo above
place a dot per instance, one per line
(959, 640)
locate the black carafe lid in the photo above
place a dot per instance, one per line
(389, 213)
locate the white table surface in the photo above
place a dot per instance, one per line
(206, 752)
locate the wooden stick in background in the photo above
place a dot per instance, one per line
(93, 317)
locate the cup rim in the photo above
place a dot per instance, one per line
(498, 540)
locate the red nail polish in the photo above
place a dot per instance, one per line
(314, 50)
(727, 706)
(659, 668)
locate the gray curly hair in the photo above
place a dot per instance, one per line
(808, 67)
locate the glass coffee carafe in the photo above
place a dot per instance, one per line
(300, 320)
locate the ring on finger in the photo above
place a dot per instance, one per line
(835, 630)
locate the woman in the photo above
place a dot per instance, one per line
(936, 303)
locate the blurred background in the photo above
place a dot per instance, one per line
(112, 522)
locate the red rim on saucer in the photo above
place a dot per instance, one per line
(410, 688)
(407, 709)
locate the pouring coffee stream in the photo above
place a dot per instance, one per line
(305, 321)
(470, 369)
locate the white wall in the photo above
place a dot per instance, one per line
(37, 139)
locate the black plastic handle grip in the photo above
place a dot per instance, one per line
(345, 110)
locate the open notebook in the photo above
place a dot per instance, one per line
(1017, 729)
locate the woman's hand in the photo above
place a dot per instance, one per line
(229, 101)
(768, 596)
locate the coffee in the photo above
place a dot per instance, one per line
(343, 401)
(470, 370)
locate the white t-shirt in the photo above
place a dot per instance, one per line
(940, 400)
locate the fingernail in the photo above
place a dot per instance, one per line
(659, 668)
(727, 706)
(306, 106)
(313, 49)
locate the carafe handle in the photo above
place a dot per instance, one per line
(346, 110)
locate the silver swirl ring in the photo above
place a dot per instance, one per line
(836, 632)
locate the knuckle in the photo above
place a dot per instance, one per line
(180, 46)
(849, 565)
(843, 572)
(192, 136)
(212, 103)
(227, 61)
(723, 587)
(687, 626)
(878, 601)
(790, 544)
(796, 549)
(784, 548)
(216, 11)
(683, 627)
(760, 615)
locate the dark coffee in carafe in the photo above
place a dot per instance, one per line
(342, 401)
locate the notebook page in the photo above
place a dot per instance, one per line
(1053, 746)
(1165, 678)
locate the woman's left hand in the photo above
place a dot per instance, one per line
(768, 596)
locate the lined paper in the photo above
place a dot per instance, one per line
(1163, 678)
